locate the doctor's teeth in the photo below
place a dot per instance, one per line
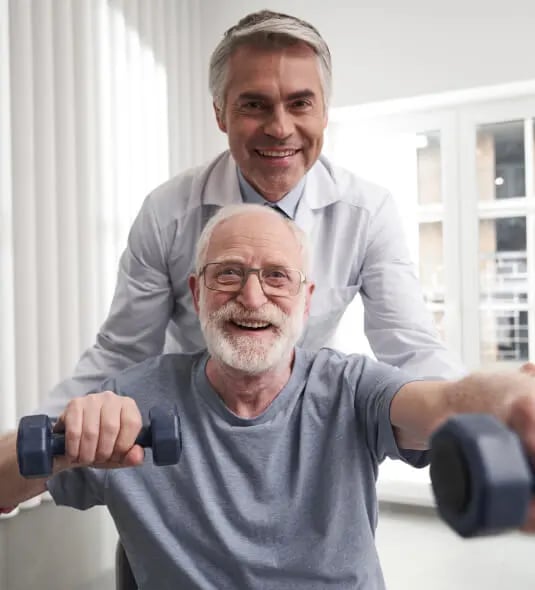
(276, 154)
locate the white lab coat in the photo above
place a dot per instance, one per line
(356, 247)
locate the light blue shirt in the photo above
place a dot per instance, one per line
(356, 247)
(288, 203)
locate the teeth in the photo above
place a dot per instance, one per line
(276, 154)
(252, 324)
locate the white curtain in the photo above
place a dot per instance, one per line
(99, 103)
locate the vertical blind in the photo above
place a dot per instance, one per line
(99, 103)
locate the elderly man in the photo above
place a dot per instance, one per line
(276, 484)
(270, 77)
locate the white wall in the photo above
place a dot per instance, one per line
(386, 49)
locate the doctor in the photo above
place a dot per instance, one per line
(270, 77)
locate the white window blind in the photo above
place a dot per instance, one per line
(99, 103)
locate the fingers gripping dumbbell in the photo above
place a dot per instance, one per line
(481, 477)
(38, 444)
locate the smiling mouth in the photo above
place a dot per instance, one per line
(252, 325)
(277, 153)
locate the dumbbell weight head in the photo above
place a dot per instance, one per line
(36, 445)
(480, 475)
(163, 435)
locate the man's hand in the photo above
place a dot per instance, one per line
(522, 421)
(100, 431)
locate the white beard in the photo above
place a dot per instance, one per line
(245, 353)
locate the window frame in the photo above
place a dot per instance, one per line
(457, 116)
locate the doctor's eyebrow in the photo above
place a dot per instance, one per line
(299, 94)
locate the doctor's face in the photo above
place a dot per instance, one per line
(274, 115)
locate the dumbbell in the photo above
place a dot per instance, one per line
(481, 477)
(38, 444)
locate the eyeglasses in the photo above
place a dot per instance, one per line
(231, 277)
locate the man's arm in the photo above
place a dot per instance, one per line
(396, 321)
(100, 431)
(135, 327)
(421, 406)
(13, 487)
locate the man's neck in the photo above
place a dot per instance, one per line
(247, 396)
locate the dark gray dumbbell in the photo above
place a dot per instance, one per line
(38, 444)
(481, 477)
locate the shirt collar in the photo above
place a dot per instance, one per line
(288, 203)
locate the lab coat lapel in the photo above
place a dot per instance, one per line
(222, 186)
(320, 191)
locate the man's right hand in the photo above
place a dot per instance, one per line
(100, 431)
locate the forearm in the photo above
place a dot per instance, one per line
(420, 407)
(13, 487)
(488, 393)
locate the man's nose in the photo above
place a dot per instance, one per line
(251, 295)
(280, 123)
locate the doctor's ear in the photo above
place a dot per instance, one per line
(220, 118)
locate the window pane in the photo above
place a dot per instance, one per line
(502, 261)
(429, 168)
(500, 161)
(504, 335)
(431, 262)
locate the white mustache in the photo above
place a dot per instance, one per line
(233, 311)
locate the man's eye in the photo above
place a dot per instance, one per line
(229, 271)
(301, 104)
(253, 105)
(276, 274)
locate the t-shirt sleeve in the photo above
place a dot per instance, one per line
(80, 488)
(376, 385)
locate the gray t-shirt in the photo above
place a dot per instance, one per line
(283, 501)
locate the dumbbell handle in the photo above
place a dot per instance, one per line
(143, 439)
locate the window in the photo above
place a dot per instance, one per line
(463, 179)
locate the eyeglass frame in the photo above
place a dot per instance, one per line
(247, 272)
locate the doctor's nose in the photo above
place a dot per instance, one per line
(280, 123)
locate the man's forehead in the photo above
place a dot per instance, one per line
(253, 233)
(251, 62)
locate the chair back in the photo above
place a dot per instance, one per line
(124, 578)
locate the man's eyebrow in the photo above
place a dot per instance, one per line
(229, 260)
(270, 263)
(305, 93)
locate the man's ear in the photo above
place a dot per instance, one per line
(194, 284)
(220, 118)
(308, 297)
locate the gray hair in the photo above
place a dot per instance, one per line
(269, 29)
(229, 211)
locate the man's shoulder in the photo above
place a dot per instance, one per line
(352, 371)
(347, 187)
(328, 365)
(185, 190)
(157, 368)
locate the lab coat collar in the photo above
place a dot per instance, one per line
(222, 186)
